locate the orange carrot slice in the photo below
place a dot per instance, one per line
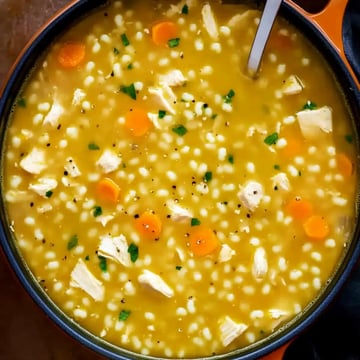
(316, 227)
(345, 165)
(138, 122)
(203, 241)
(108, 190)
(164, 31)
(293, 147)
(149, 225)
(299, 208)
(71, 54)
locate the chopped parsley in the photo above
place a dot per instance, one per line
(124, 314)
(277, 167)
(124, 39)
(231, 159)
(116, 51)
(102, 263)
(21, 102)
(93, 146)
(87, 257)
(271, 139)
(129, 90)
(174, 42)
(185, 9)
(208, 176)
(195, 222)
(309, 105)
(178, 267)
(130, 66)
(228, 97)
(48, 194)
(214, 116)
(181, 130)
(97, 211)
(74, 240)
(162, 114)
(133, 250)
(349, 138)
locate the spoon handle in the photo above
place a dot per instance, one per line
(262, 34)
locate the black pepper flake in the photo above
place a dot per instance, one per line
(31, 204)
(248, 215)
(48, 144)
(58, 127)
(66, 173)
(136, 216)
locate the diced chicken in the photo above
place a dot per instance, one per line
(172, 78)
(251, 195)
(176, 9)
(180, 254)
(178, 213)
(256, 129)
(315, 123)
(69, 182)
(240, 20)
(82, 278)
(164, 97)
(43, 186)
(109, 161)
(156, 283)
(277, 313)
(115, 248)
(280, 181)
(210, 21)
(260, 264)
(71, 168)
(104, 219)
(34, 161)
(292, 86)
(230, 330)
(14, 196)
(226, 253)
(154, 118)
(78, 96)
(53, 116)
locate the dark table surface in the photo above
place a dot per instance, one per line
(26, 333)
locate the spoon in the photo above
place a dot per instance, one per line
(262, 35)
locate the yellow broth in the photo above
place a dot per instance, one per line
(222, 152)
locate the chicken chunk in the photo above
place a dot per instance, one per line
(82, 278)
(71, 168)
(164, 97)
(226, 253)
(210, 21)
(315, 123)
(251, 195)
(53, 116)
(172, 78)
(156, 283)
(43, 186)
(230, 330)
(292, 86)
(260, 264)
(281, 182)
(34, 162)
(115, 248)
(179, 213)
(78, 96)
(108, 161)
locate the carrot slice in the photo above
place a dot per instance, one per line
(293, 147)
(344, 165)
(203, 241)
(149, 225)
(108, 190)
(164, 31)
(299, 208)
(138, 122)
(71, 54)
(316, 227)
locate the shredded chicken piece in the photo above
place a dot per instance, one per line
(178, 213)
(71, 168)
(156, 283)
(210, 21)
(260, 264)
(53, 116)
(115, 248)
(230, 330)
(164, 96)
(34, 162)
(173, 78)
(43, 186)
(292, 86)
(109, 161)
(226, 253)
(251, 195)
(281, 182)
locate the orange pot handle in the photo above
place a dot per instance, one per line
(329, 21)
(278, 354)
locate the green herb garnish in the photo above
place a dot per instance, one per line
(102, 263)
(130, 66)
(87, 258)
(93, 146)
(208, 176)
(277, 167)
(180, 130)
(124, 39)
(271, 139)
(162, 114)
(185, 9)
(309, 106)
(349, 138)
(195, 222)
(231, 159)
(21, 102)
(214, 116)
(129, 90)
(48, 194)
(133, 250)
(178, 267)
(124, 314)
(228, 97)
(116, 51)
(174, 42)
(74, 240)
(97, 211)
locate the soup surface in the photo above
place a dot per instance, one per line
(166, 201)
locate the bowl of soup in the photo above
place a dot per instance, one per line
(157, 202)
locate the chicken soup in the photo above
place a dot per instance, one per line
(166, 201)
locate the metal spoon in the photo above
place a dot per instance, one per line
(262, 35)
